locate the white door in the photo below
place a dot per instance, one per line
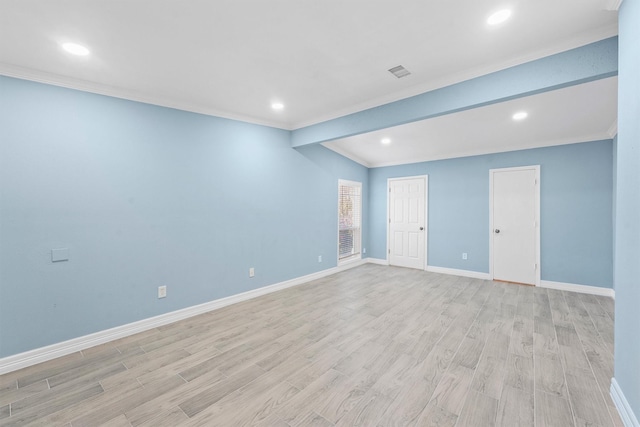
(407, 222)
(514, 225)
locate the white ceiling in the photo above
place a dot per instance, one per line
(322, 59)
(581, 113)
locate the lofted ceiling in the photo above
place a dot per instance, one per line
(321, 59)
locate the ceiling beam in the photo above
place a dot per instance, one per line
(584, 64)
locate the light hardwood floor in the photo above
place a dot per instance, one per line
(371, 346)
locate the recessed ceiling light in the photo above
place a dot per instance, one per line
(278, 106)
(520, 115)
(386, 141)
(499, 17)
(75, 49)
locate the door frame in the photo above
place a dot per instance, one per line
(536, 168)
(426, 214)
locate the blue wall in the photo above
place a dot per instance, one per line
(627, 261)
(145, 196)
(576, 216)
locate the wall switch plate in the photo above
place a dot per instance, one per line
(252, 272)
(464, 255)
(364, 250)
(162, 291)
(319, 258)
(61, 254)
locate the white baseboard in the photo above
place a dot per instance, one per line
(456, 272)
(624, 409)
(377, 261)
(583, 289)
(43, 354)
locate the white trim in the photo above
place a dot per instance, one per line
(599, 136)
(349, 260)
(358, 256)
(613, 5)
(348, 182)
(377, 261)
(613, 129)
(456, 272)
(43, 354)
(579, 40)
(18, 72)
(536, 168)
(622, 405)
(583, 289)
(426, 214)
(387, 220)
(348, 155)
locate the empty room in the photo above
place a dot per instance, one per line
(319, 213)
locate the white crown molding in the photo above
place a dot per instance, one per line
(582, 289)
(613, 5)
(613, 129)
(622, 405)
(348, 155)
(482, 152)
(131, 95)
(456, 272)
(43, 354)
(562, 46)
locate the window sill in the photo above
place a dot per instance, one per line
(352, 258)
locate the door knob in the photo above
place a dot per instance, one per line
(421, 228)
(497, 231)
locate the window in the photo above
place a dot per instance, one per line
(349, 220)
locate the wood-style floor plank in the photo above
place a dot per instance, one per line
(168, 402)
(435, 416)
(516, 408)
(479, 410)
(5, 411)
(367, 411)
(549, 376)
(586, 399)
(172, 418)
(552, 410)
(127, 402)
(31, 409)
(8, 396)
(248, 405)
(210, 395)
(371, 346)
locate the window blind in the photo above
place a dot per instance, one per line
(349, 219)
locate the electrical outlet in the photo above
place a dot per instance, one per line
(252, 272)
(162, 291)
(464, 255)
(319, 258)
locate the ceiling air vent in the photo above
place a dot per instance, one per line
(399, 71)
